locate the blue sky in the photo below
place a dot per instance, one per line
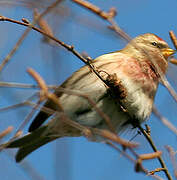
(77, 158)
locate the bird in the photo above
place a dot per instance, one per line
(132, 75)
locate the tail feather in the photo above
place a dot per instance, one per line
(42, 116)
(38, 121)
(31, 142)
(25, 150)
(27, 139)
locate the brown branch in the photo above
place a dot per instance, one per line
(29, 116)
(173, 61)
(25, 20)
(40, 82)
(165, 121)
(6, 132)
(95, 9)
(26, 166)
(17, 134)
(120, 151)
(108, 16)
(68, 47)
(142, 157)
(148, 156)
(156, 170)
(15, 48)
(150, 141)
(42, 23)
(22, 85)
(139, 167)
(19, 42)
(55, 99)
(173, 159)
(113, 137)
(28, 103)
(173, 38)
(91, 102)
(57, 89)
(19, 130)
(169, 88)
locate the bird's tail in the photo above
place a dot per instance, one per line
(31, 142)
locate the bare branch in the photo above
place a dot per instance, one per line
(173, 38)
(173, 159)
(164, 120)
(156, 154)
(113, 137)
(108, 16)
(149, 139)
(173, 61)
(6, 131)
(19, 42)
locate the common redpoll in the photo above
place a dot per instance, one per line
(136, 70)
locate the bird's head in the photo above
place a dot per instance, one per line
(152, 48)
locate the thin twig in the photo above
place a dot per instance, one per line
(19, 130)
(108, 16)
(111, 136)
(141, 168)
(26, 167)
(169, 88)
(6, 131)
(28, 117)
(53, 97)
(68, 47)
(155, 170)
(164, 120)
(91, 102)
(173, 159)
(120, 151)
(173, 38)
(42, 23)
(19, 42)
(173, 61)
(149, 139)
(22, 85)
(57, 89)
(148, 156)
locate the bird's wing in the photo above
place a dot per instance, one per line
(75, 82)
(77, 108)
(86, 82)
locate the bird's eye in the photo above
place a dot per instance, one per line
(154, 43)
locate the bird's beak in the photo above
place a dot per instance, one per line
(167, 52)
